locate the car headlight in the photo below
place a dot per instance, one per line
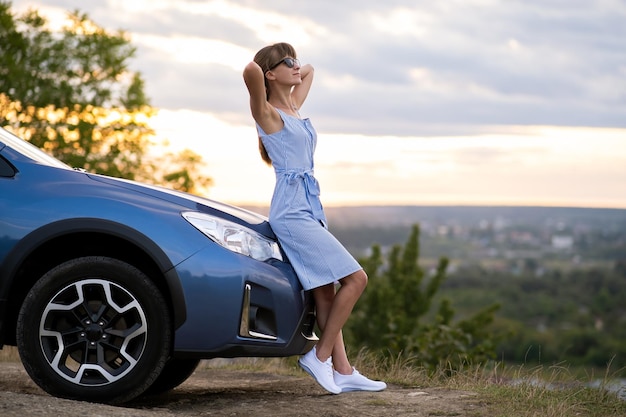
(235, 237)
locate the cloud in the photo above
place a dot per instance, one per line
(393, 67)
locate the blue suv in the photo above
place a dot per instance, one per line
(111, 289)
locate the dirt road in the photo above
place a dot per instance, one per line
(220, 392)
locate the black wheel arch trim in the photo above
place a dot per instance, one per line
(40, 236)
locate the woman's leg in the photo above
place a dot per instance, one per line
(324, 297)
(333, 310)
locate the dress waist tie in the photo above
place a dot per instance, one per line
(311, 186)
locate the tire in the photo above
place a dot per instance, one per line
(94, 329)
(175, 372)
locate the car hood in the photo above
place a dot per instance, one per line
(238, 215)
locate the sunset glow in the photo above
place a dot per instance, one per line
(530, 165)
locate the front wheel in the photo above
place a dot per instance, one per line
(175, 372)
(94, 329)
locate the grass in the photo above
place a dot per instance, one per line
(548, 391)
(9, 354)
(501, 391)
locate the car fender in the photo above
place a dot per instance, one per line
(35, 239)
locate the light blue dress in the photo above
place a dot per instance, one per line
(296, 213)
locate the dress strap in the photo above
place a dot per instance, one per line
(283, 113)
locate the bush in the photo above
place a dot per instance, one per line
(391, 316)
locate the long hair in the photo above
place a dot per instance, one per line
(267, 58)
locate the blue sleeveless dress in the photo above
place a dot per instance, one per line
(296, 213)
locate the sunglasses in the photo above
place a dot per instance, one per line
(290, 62)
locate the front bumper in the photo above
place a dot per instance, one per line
(237, 307)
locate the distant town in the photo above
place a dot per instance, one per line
(515, 239)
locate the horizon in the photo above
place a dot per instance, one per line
(486, 206)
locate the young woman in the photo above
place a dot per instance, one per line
(278, 86)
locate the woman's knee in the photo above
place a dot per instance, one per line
(325, 295)
(357, 279)
(363, 278)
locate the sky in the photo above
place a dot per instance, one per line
(452, 102)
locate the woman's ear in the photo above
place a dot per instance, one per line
(270, 75)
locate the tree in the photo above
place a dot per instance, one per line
(72, 94)
(391, 316)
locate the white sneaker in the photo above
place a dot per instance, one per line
(357, 382)
(321, 371)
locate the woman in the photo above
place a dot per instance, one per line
(278, 86)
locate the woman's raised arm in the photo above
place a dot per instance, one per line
(255, 81)
(300, 91)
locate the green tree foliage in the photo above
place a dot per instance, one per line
(71, 93)
(395, 314)
(575, 316)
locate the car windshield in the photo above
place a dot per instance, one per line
(28, 150)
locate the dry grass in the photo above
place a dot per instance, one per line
(546, 391)
(515, 391)
(9, 354)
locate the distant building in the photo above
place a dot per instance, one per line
(562, 242)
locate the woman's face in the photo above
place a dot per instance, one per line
(287, 70)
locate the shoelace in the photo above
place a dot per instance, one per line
(328, 364)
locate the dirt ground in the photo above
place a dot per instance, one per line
(220, 392)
